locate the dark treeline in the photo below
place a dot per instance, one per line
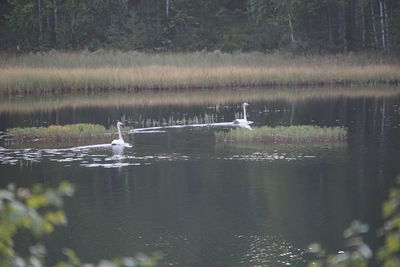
(317, 26)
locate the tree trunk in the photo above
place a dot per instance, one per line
(167, 8)
(48, 23)
(374, 25)
(72, 25)
(40, 20)
(55, 16)
(357, 29)
(291, 28)
(342, 26)
(362, 13)
(331, 43)
(383, 34)
(386, 26)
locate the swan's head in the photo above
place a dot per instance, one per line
(120, 123)
(245, 104)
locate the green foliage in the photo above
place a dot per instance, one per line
(299, 26)
(37, 211)
(390, 253)
(358, 253)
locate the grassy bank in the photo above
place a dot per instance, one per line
(58, 133)
(283, 134)
(107, 71)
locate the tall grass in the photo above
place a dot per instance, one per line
(68, 72)
(283, 134)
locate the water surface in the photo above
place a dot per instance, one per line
(207, 204)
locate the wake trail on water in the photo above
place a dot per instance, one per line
(217, 124)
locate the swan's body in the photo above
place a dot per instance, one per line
(244, 121)
(120, 141)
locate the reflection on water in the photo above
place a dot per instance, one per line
(205, 204)
(121, 156)
(118, 150)
(270, 251)
(102, 155)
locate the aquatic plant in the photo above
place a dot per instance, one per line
(56, 73)
(283, 134)
(58, 132)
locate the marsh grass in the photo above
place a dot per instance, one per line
(59, 133)
(57, 72)
(283, 134)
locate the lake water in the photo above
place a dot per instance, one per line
(205, 204)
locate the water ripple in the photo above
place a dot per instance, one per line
(266, 156)
(270, 251)
(105, 156)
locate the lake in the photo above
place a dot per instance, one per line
(203, 203)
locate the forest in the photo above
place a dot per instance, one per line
(298, 26)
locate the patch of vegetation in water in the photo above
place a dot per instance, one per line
(59, 133)
(283, 134)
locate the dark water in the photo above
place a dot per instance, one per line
(207, 204)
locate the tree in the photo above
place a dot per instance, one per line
(301, 26)
(38, 211)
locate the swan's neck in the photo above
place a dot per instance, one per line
(244, 113)
(119, 133)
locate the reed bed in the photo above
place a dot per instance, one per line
(70, 132)
(41, 80)
(108, 71)
(284, 134)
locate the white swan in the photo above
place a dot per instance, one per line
(244, 121)
(120, 141)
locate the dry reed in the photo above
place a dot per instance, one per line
(58, 73)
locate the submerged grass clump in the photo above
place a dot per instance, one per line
(283, 134)
(80, 131)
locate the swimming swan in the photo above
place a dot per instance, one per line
(120, 141)
(243, 121)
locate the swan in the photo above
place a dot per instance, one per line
(243, 121)
(120, 141)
